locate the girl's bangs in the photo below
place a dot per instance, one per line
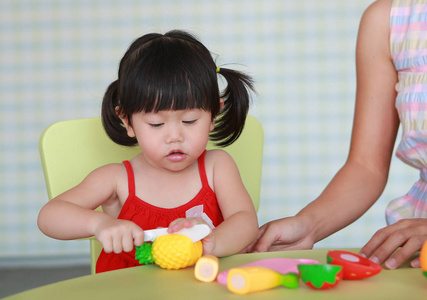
(175, 96)
(177, 92)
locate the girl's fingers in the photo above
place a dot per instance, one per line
(138, 236)
(127, 243)
(180, 223)
(107, 245)
(117, 245)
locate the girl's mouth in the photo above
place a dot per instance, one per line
(176, 156)
(175, 152)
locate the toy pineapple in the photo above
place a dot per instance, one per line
(172, 251)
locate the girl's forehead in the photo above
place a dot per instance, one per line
(171, 112)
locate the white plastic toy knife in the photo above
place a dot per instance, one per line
(195, 233)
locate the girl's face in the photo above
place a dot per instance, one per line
(171, 139)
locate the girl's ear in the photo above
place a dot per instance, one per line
(125, 122)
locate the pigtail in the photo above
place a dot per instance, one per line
(113, 126)
(230, 122)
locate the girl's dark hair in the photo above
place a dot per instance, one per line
(174, 71)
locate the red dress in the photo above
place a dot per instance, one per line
(148, 216)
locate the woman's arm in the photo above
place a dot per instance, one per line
(361, 180)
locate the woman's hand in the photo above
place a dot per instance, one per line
(119, 235)
(383, 247)
(284, 234)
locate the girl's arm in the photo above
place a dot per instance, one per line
(72, 214)
(240, 224)
(361, 180)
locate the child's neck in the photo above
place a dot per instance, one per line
(164, 188)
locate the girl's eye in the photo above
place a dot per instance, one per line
(189, 122)
(156, 124)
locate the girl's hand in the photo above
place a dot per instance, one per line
(409, 234)
(208, 242)
(178, 224)
(119, 235)
(283, 234)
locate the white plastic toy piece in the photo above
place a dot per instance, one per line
(195, 233)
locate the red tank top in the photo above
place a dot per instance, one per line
(148, 216)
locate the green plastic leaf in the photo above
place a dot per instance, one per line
(290, 280)
(319, 274)
(143, 253)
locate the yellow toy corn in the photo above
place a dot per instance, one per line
(245, 280)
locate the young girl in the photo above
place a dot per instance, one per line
(391, 68)
(166, 99)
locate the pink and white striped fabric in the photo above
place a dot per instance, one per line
(408, 45)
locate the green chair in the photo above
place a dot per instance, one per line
(70, 150)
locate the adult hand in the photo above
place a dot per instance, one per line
(291, 233)
(409, 234)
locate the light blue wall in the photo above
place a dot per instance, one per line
(57, 57)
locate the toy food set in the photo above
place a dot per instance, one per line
(184, 248)
(270, 273)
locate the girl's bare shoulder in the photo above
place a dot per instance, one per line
(217, 155)
(108, 173)
(218, 161)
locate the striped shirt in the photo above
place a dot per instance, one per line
(408, 45)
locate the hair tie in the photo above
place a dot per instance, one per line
(218, 69)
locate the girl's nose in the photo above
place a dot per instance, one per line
(174, 135)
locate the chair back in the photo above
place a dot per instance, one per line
(71, 149)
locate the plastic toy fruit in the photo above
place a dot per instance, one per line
(247, 280)
(354, 265)
(320, 276)
(278, 264)
(206, 268)
(173, 251)
(423, 259)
